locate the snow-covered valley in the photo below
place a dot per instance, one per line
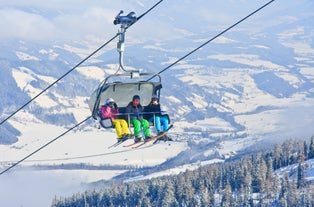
(246, 90)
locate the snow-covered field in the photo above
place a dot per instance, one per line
(88, 147)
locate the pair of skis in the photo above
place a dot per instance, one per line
(141, 143)
(121, 141)
(153, 138)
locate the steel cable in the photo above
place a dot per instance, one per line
(34, 152)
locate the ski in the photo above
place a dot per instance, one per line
(153, 138)
(132, 144)
(149, 140)
(120, 142)
(165, 139)
(117, 143)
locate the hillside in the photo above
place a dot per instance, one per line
(240, 76)
(279, 177)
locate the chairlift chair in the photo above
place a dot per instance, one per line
(123, 91)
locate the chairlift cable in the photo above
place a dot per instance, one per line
(15, 164)
(82, 61)
(34, 152)
(138, 18)
(147, 80)
(45, 145)
(31, 100)
(210, 40)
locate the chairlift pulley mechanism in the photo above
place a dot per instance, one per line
(125, 22)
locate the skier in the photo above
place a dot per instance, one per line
(135, 109)
(160, 121)
(109, 110)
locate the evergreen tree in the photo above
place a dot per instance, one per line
(305, 150)
(277, 157)
(284, 187)
(275, 186)
(226, 200)
(287, 152)
(167, 196)
(311, 148)
(205, 198)
(301, 177)
(292, 193)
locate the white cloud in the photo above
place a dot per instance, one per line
(68, 19)
(77, 19)
(39, 20)
(22, 24)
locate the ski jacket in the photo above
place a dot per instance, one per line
(107, 112)
(152, 108)
(134, 111)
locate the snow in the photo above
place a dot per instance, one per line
(35, 188)
(291, 79)
(262, 47)
(24, 77)
(223, 40)
(89, 146)
(308, 71)
(291, 170)
(285, 117)
(214, 124)
(174, 171)
(248, 59)
(198, 101)
(192, 80)
(259, 123)
(289, 34)
(92, 72)
(24, 56)
(51, 53)
(300, 48)
(173, 99)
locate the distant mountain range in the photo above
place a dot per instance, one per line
(239, 77)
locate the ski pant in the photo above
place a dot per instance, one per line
(137, 127)
(160, 121)
(121, 127)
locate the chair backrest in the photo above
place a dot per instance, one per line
(123, 93)
(106, 123)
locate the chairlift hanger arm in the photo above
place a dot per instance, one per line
(125, 22)
(83, 121)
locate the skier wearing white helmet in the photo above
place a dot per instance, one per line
(109, 110)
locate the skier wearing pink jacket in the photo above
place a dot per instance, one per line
(109, 110)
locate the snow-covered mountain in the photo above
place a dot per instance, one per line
(251, 85)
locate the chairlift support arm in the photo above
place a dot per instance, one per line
(125, 21)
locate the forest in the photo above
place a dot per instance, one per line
(268, 178)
